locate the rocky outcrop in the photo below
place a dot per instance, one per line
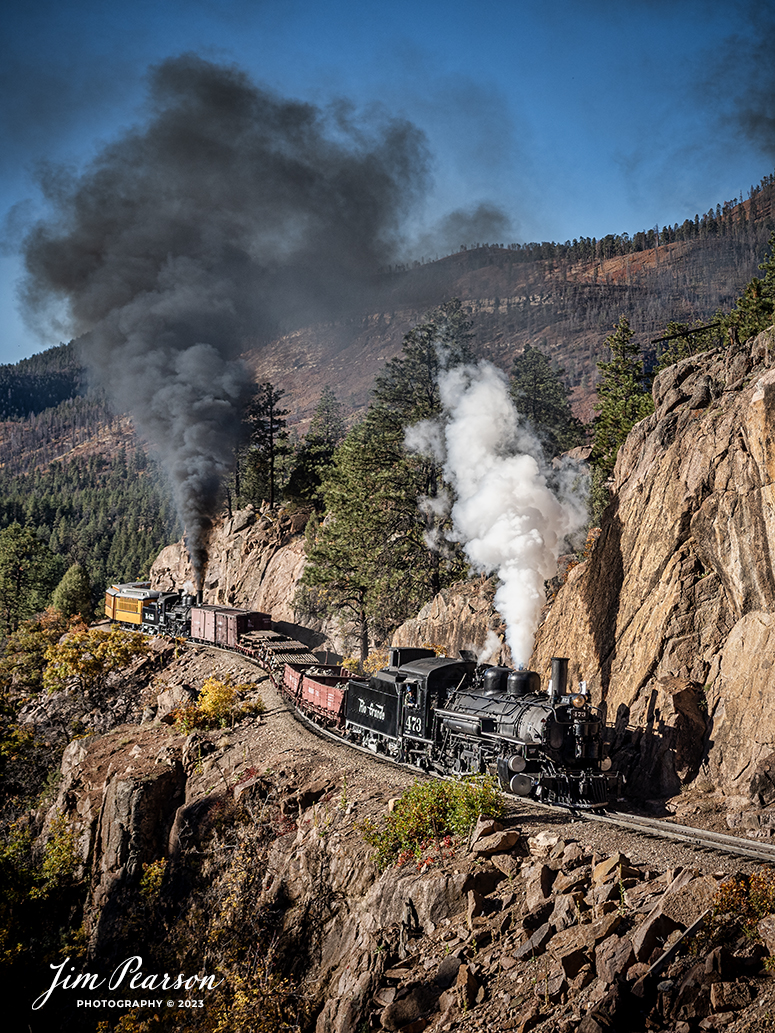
(254, 560)
(672, 619)
(119, 793)
(459, 617)
(569, 940)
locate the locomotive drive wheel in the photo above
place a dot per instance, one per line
(521, 785)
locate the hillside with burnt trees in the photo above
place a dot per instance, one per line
(562, 298)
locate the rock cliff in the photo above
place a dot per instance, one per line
(672, 619)
(254, 560)
(459, 617)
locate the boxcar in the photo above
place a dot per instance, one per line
(222, 625)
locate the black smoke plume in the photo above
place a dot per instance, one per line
(484, 224)
(231, 213)
(737, 78)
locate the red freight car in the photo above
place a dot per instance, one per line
(319, 691)
(222, 625)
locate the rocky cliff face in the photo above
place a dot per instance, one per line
(459, 617)
(255, 561)
(672, 619)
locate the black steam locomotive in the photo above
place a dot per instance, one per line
(452, 716)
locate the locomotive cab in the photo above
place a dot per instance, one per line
(168, 614)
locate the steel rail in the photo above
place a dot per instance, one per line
(703, 838)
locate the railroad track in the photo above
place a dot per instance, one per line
(701, 838)
(277, 649)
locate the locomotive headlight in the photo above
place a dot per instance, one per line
(579, 701)
(605, 764)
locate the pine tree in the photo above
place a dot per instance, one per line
(540, 395)
(28, 572)
(623, 399)
(406, 391)
(343, 575)
(265, 422)
(73, 594)
(755, 309)
(370, 560)
(314, 457)
(407, 388)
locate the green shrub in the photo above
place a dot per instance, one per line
(219, 705)
(60, 858)
(430, 810)
(152, 878)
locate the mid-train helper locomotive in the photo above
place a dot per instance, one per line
(443, 715)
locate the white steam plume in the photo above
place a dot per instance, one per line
(506, 515)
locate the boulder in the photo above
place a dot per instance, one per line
(567, 910)
(498, 843)
(566, 882)
(728, 997)
(476, 906)
(613, 956)
(536, 943)
(652, 933)
(416, 1003)
(446, 973)
(572, 856)
(485, 827)
(466, 987)
(507, 864)
(170, 699)
(543, 843)
(617, 866)
(538, 885)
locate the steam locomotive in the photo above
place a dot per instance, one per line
(443, 715)
(455, 716)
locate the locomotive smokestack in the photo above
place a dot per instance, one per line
(559, 684)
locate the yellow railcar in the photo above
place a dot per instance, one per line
(124, 603)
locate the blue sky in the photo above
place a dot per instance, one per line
(580, 117)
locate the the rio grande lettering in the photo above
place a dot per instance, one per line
(372, 709)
